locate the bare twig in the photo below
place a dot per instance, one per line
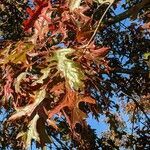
(99, 23)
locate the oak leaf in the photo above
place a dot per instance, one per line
(31, 133)
(74, 4)
(72, 100)
(45, 73)
(70, 70)
(28, 110)
(18, 81)
(104, 1)
(18, 54)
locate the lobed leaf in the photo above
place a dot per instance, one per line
(45, 73)
(28, 110)
(31, 133)
(104, 1)
(18, 54)
(71, 70)
(18, 81)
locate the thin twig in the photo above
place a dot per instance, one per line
(61, 143)
(99, 24)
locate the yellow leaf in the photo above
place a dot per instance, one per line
(40, 95)
(70, 69)
(74, 4)
(146, 55)
(45, 73)
(31, 133)
(18, 81)
(28, 110)
(5, 51)
(105, 1)
(18, 54)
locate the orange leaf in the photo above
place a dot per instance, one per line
(72, 100)
(58, 89)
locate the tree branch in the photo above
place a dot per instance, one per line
(130, 71)
(132, 12)
(60, 142)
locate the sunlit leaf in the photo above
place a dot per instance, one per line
(31, 133)
(45, 73)
(146, 55)
(18, 81)
(28, 110)
(104, 1)
(18, 54)
(71, 70)
(72, 100)
(74, 4)
(49, 82)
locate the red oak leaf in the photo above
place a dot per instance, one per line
(34, 14)
(72, 100)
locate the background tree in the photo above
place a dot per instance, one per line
(63, 60)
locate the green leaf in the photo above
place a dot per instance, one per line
(70, 69)
(146, 55)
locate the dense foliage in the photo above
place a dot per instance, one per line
(63, 60)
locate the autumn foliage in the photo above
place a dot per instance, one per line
(49, 74)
